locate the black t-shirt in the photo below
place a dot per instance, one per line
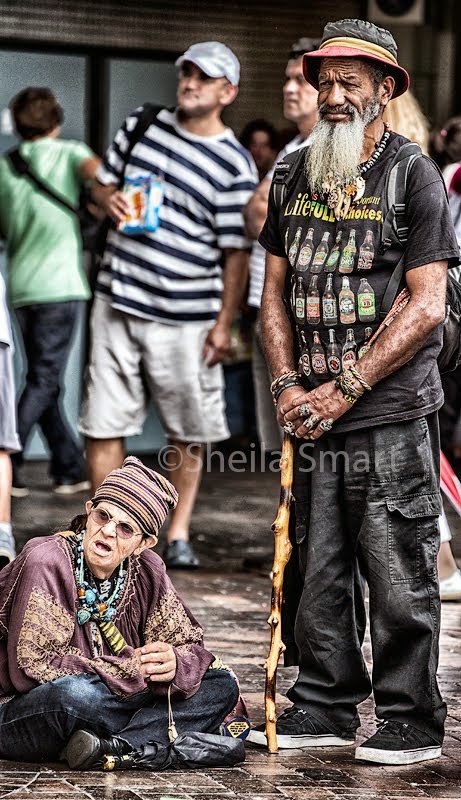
(339, 280)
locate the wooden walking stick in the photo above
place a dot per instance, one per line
(282, 551)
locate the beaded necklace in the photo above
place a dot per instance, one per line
(96, 604)
(340, 197)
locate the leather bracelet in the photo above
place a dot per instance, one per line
(288, 385)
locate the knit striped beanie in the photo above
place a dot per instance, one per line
(144, 494)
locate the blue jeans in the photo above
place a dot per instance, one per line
(368, 504)
(46, 330)
(37, 725)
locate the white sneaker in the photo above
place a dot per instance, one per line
(7, 548)
(71, 488)
(450, 588)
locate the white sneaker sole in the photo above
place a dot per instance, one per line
(19, 491)
(397, 756)
(71, 488)
(286, 742)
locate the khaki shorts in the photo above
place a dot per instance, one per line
(133, 360)
(9, 440)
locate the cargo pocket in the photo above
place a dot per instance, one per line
(412, 536)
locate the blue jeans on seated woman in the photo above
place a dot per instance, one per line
(37, 725)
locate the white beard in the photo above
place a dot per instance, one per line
(335, 148)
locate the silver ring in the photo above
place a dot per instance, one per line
(289, 427)
(304, 410)
(310, 422)
(326, 424)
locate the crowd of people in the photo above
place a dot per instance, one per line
(202, 224)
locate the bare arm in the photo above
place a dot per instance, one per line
(255, 211)
(392, 349)
(235, 278)
(276, 329)
(88, 167)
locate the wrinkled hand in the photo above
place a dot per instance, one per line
(156, 662)
(117, 206)
(217, 344)
(325, 405)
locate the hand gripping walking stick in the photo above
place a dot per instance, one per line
(282, 551)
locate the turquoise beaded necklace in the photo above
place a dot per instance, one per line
(95, 604)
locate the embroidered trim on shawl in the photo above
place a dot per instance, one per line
(170, 623)
(46, 622)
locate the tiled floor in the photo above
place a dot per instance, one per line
(232, 521)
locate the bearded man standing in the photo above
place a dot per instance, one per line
(366, 486)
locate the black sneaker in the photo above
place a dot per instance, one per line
(18, 488)
(295, 728)
(178, 554)
(398, 743)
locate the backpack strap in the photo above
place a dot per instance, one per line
(286, 173)
(147, 116)
(395, 228)
(22, 168)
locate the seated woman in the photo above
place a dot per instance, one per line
(94, 638)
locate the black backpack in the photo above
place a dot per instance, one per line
(394, 237)
(93, 231)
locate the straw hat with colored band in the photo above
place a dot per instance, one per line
(356, 38)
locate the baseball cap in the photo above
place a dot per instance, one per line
(357, 38)
(215, 59)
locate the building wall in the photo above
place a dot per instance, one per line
(259, 31)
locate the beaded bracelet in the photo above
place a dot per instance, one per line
(359, 378)
(347, 386)
(282, 378)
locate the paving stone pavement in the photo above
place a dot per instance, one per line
(232, 523)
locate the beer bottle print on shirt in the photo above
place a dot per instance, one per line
(346, 303)
(365, 346)
(366, 302)
(333, 355)
(349, 354)
(333, 258)
(304, 365)
(318, 360)
(305, 253)
(294, 247)
(300, 301)
(313, 302)
(320, 255)
(366, 252)
(329, 303)
(346, 262)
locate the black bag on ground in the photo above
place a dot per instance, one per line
(188, 751)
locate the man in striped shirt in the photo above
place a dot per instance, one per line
(165, 299)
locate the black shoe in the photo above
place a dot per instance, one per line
(85, 750)
(398, 743)
(178, 554)
(296, 728)
(18, 488)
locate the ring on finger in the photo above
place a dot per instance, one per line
(289, 427)
(326, 424)
(311, 421)
(304, 410)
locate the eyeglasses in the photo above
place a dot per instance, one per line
(123, 529)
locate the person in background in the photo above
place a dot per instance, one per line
(300, 107)
(404, 115)
(46, 280)
(261, 139)
(165, 298)
(9, 440)
(366, 479)
(95, 638)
